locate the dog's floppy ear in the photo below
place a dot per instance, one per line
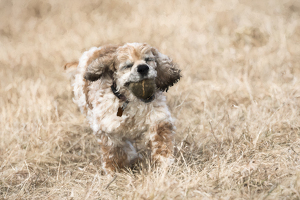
(101, 63)
(168, 72)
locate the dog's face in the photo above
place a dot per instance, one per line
(132, 63)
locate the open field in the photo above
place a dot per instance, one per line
(237, 107)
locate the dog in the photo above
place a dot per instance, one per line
(120, 89)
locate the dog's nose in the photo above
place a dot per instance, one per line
(143, 69)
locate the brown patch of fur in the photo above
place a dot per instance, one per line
(70, 70)
(104, 65)
(139, 51)
(162, 145)
(104, 51)
(144, 48)
(113, 158)
(135, 52)
(86, 90)
(71, 65)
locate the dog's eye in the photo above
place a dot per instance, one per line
(149, 59)
(128, 66)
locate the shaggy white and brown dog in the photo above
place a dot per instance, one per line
(120, 89)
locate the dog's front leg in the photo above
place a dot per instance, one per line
(115, 156)
(161, 143)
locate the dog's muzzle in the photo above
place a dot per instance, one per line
(143, 69)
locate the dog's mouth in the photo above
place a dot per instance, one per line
(143, 90)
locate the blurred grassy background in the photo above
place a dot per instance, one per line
(237, 105)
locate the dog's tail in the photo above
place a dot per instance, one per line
(70, 70)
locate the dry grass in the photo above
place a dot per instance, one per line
(237, 105)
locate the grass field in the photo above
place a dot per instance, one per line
(237, 107)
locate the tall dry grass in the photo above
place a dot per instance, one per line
(237, 105)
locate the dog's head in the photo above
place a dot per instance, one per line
(132, 63)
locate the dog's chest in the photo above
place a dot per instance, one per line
(103, 117)
(136, 118)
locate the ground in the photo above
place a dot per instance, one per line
(237, 106)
